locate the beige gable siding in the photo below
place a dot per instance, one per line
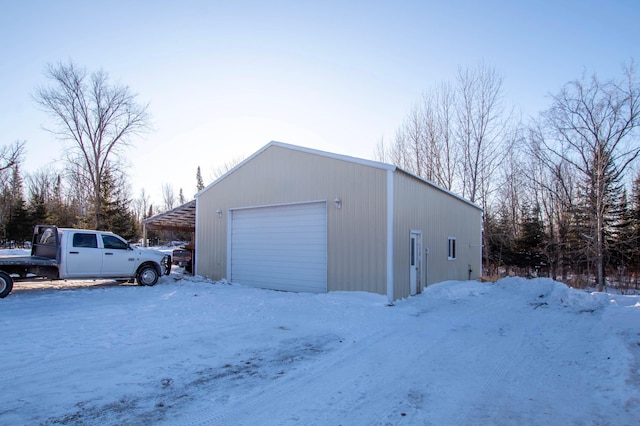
(439, 215)
(356, 237)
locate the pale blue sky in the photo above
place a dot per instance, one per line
(225, 78)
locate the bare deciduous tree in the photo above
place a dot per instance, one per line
(168, 196)
(140, 205)
(400, 152)
(96, 117)
(552, 182)
(380, 153)
(414, 136)
(442, 152)
(590, 126)
(226, 166)
(10, 155)
(481, 126)
(41, 183)
(459, 135)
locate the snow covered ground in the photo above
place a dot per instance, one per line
(193, 352)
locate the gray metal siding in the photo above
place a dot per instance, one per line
(356, 232)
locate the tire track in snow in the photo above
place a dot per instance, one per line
(329, 373)
(140, 390)
(281, 389)
(474, 375)
(508, 356)
(100, 356)
(514, 360)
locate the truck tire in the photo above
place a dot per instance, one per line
(6, 284)
(147, 275)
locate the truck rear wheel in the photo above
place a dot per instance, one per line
(6, 284)
(147, 275)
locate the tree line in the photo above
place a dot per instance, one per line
(560, 192)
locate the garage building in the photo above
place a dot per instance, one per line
(298, 219)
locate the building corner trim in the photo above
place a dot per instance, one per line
(390, 271)
(194, 260)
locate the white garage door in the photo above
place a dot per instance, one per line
(280, 247)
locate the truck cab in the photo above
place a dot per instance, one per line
(101, 254)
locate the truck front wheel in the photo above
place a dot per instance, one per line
(6, 284)
(147, 275)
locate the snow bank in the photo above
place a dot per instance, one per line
(547, 292)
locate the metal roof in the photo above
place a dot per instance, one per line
(182, 218)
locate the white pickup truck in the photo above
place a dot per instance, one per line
(63, 253)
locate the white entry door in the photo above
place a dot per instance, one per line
(280, 247)
(415, 262)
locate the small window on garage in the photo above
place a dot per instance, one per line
(452, 248)
(85, 240)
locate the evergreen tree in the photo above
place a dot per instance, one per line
(500, 241)
(153, 236)
(634, 231)
(622, 242)
(531, 239)
(117, 216)
(199, 182)
(18, 226)
(37, 209)
(558, 252)
(54, 213)
(580, 245)
(5, 204)
(597, 212)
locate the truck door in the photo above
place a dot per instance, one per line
(118, 260)
(83, 257)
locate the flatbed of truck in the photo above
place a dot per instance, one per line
(27, 260)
